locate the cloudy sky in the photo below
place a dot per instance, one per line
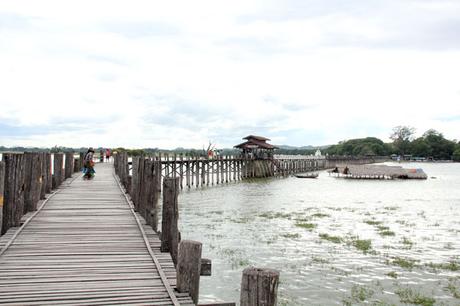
(182, 73)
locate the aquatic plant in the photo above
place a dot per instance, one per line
(407, 243)
(386, 233)
(410, 296)
(405, 263)
(334, 239)
(320, 215)
(451, 265)
(392, 274)
(372, 222)
(309, 226)
(290, 236)
(358, 294)
(453, 288)
(363, 245)
(320, 260)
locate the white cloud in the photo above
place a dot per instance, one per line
(169, 74)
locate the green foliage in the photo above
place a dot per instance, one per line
(308, 226)
(408, 295)
(431, 145)
(333, 239)
(360, 147)
(456, 155)
(402, 136)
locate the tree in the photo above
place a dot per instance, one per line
(440, 148)
(456, 155)
(402, 136)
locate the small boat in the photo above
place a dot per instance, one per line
(306, 175)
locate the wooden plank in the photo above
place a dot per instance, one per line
(86, 247)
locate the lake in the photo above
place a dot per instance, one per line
(335, 241)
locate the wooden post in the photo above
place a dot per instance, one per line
(68, 165)
(181, 171)
(58, 169)
(43, 177)
(259, 287)
(188, 268)
(147, 191)
(49, 176)
(197, 172)
(156, 194)
(135, 181)
(208, 170)
(170, 235)
(13, 201)
(203, 172)
(32, 181)
(187, 172)
(217, 170)
(2, 185)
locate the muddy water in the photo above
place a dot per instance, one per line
(335, 241)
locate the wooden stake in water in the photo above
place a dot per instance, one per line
(259, 287)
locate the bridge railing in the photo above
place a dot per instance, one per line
(26, 178)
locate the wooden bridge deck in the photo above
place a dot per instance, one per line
(84, 247)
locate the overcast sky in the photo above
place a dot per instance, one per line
(182, 73)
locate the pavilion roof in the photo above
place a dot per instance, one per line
(253, 142)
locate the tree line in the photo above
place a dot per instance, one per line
(431, 145)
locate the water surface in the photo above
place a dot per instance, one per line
(335, 241)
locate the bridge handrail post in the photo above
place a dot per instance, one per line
(2, 185)
(170, 235)
(189, 268)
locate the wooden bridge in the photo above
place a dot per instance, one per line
(86, 245)
(68, 241)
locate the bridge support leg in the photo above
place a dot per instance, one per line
(170, 235)
(188, 268)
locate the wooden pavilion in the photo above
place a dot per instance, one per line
(256, 147)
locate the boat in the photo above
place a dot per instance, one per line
(306, 175)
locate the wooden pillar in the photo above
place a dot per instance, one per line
(49, 176)
(217, 169)
(203, 172)
(197, 172)
(211, 163)
(68, 165)
(2, 186)
(135, 181)
(156, 190)
(32, 181)
(58, 175)
(170, 235)
(187, 172)
(208, 170)
(13, 201)
(181, 171)
(174, 165)
(147, 191)
(259, 287)
(189, 268)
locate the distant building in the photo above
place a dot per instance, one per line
(256, 147)
(318, 152)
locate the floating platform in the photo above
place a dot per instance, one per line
(382, 172)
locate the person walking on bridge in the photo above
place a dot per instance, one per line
(88, 169)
